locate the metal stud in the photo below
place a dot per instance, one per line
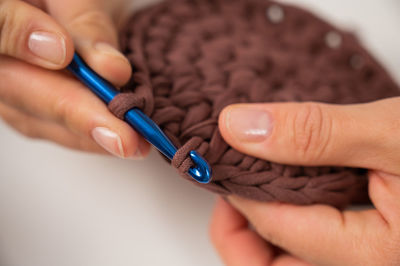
(333, 39)
(275, 14)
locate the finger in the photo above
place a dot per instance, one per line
(318, 234)
(234, 241)
(57, 97)
(384, 191)
(361, 135)
(33, 127)
(287, 260)
(94, 34)
(29, 34)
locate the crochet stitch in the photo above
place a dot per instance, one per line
(191, 58)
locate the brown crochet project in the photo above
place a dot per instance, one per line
(191, 58)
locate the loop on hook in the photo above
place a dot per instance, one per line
(125, 101)
(189, 161)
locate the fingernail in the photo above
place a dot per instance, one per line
(109, 140)
(106, 48)
(48, 46)
(249, 124)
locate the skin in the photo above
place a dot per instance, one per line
(43, 103)
(363, 135)
(40, 102)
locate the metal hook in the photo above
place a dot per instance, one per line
(201, 171)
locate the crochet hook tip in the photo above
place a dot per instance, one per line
(201, 171)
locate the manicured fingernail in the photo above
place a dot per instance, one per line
(109, 140)
(106, 48)
(48, 46)
(249, 124)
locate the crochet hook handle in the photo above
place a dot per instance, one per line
(201, 170)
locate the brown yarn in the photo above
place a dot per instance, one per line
(123, 102)
(181, 159)
(191, 58)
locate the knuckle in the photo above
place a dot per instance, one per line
(92, 18)
(311, 126)
(64, 107)
(69, 110)
(9, 29)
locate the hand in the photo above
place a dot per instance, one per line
(42, 103)
(362, 135)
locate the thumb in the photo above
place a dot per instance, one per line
(362, 135)
(94, 34)
(29, 34)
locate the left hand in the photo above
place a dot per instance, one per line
(313, 134)
(38, 37)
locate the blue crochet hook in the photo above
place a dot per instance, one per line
(201, 171)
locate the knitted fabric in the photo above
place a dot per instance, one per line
(191, 58)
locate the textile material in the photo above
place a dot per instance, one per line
(191, 58)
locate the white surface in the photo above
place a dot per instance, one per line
(64, 208)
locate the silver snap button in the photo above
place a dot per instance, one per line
(275, 14)
(333, 39)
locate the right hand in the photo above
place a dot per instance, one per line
(314, 134)
(43, 103)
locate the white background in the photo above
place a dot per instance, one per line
(65, 208)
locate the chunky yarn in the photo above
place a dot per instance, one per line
(191, 58)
